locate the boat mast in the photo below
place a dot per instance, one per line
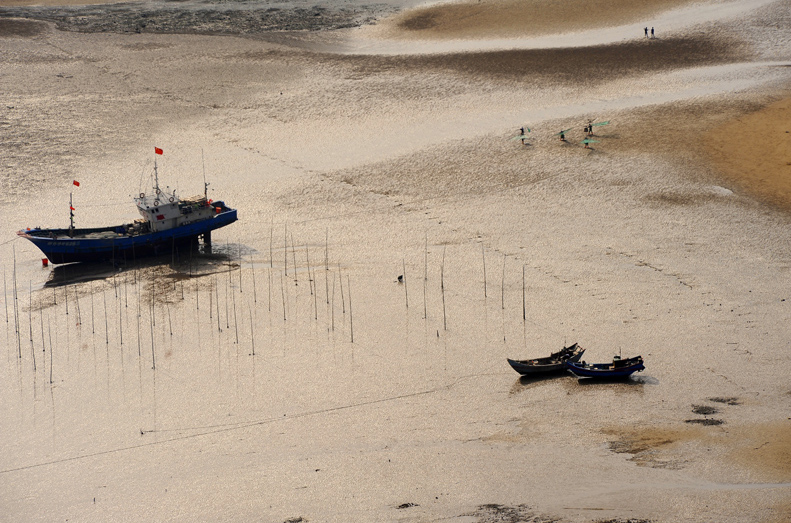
(156, 178)
(205, 185)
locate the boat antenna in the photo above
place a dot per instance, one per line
(156, 177)
(205, 185)
(71, 215)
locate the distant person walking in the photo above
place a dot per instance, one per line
(646, 32)
(652, 32)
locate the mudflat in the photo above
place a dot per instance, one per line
(340, 355)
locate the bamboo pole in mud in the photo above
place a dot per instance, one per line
(235, 322)
(283, 296)
(30, 320)
(227, 319)
(211, 303)
(252, 330)
(403, 271)
(43, 344)
(197, 296)
(524, 305)
(120, 324)
(255, 291)
(271, 252)
(502, 285)
(51, 351)
(285, 249)
(425, 277)
(269, 287)
(483, 255)
(153, 296)
(294, 256)
(93, 330)
(307, 262)
(217, 302)
(170, 322)
(16, 311)
(106, 333)
(327, 265)
(137, 286)
(5, 295)
(315, 297)
(240, 268)
(77, 301)
(151, 324)
(351, 319)
(30, 310)
(343, 300)
(332, 306)
(442, 286)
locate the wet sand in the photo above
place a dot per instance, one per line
(290, 377)
(513, 18)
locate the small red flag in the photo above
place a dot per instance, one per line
(157, 150)
(75, 182)
(72, 208)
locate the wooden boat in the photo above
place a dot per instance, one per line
(618, 369)
(167, 222)
(555, 362)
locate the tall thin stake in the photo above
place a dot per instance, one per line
(483, 255)
(252, 330)
(106, 333)
(524, 306)
(343, 301)
(252, 268)
(502, 285)
(403, 271)
(30, 320)
(283, 296)
(425, 278)
(93, 329)
(442, 286)
(351, 320)
(327, 265)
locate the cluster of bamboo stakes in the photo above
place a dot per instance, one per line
(162, 291)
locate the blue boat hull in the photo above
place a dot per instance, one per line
(68, 250)
(606, 370)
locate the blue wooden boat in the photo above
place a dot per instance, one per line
(555, 362)
(618, 369)
(167, 222)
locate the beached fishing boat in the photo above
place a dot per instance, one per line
(618, 369)
(555, 362)
(167, 223)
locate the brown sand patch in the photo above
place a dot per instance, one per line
(519, 18)
(754, 151)
(21, 28)
(584, 66)
(648, 446)
(764, 448)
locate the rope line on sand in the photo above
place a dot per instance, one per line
(241, 425)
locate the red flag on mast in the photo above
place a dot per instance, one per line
(75, 182)
(157, 150)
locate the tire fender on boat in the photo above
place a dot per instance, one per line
(156, 203)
